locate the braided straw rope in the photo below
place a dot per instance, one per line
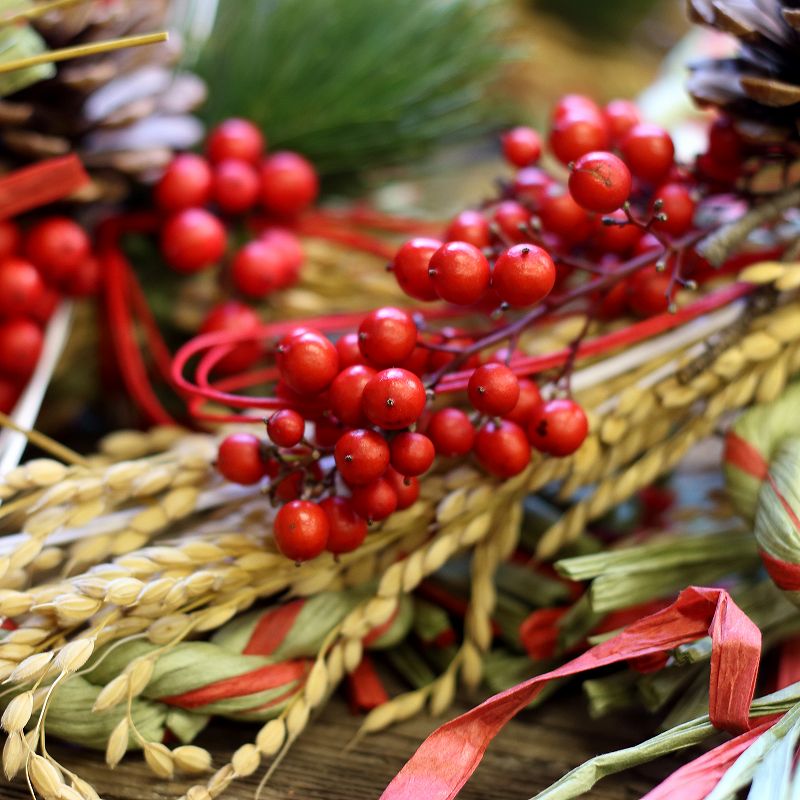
(144, 543)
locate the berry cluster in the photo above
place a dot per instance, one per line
(202, 197)
(50, 259)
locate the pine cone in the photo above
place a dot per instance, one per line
(759, 88)
(124, 112)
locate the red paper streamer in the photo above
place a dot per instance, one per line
(365, 688)
(272, 628)
(784, 574)
(789, 663)
(741, 454)
(40, 184)
(448, 757)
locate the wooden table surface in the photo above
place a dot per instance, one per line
(533, 751)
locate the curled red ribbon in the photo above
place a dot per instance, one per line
(448, 757)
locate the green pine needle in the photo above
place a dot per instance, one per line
(354, 84)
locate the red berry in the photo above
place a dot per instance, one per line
(460, 273)
(236, 186)
(578, 133)
(493, 389)
(410, 268)
(678, 206)
(394, 398)
(502, 448)
(348, 350)
(301, 530)
(307, 361)
(234, 316)
(289, 487)
(192, 240)
(186, 183)
(327, 431)
(451, 432)
(725, 145)
(347, 529)
(240, 458)
(513, 220)
(561, 215)
(600, 182)
(405, 488)
(412, 453)
(647, 292)
(20, 347)
(387, 336)
(235, 138)
(438, 359)
(522, 146)
(375, 501)
(613, 301)
(85, 280)
(523, 275)
(574, 103)
(621, 116)
(10, 239)
(558, 427)
(21, 287)
(530, 186)
(289, 248)
(361, 456)
(469, 226)
(57, 246)
(9, 394)
(648, 151)
(418, 361)
(346, 394)
(46, 305)
(615, 238)
(289, 183)
(529, 400)
(286, 427)
(258, 270)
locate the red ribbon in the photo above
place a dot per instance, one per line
(272, 628)
(448, 757)
(743, 455)
(40, 184)
(784, 574)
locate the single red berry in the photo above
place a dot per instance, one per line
(289, 183)
(620, 237)
(502, 448)
(418, 361)
(613, 301)
(647, 292)
(460, 273)
(346, 394)
(348, 350)
(235, 316)
(235, 138)
(529, 400)
(394, 398)
(20, 347)
(46, 306)
(240, 458)
(725, 145)
(677, 205)
(361, 456)
(577, 133)
(451, 432)
(648, 151)
(522, 146)
(387, 336)
(600, 182)
(405, 488)
(347, 529)
(286, 427)
(307, 361)
(468, 226)
(85, 280)
(412, 453)
(558, 427)
(186, 183)
(57, 246)
(289, 248)
(574, 103)
(257, 269)
(530, 186)
(10, 239)
(375, 501)
(10, 391)
(523, 275)
(438, 359)
(301, 530)
(289, 487)
(192, 240)
(21, 287)
(621, 116)
(561, 215)
(513, 220)
(327, 431)
(493, 389)
(236, 186)
(410, 267)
